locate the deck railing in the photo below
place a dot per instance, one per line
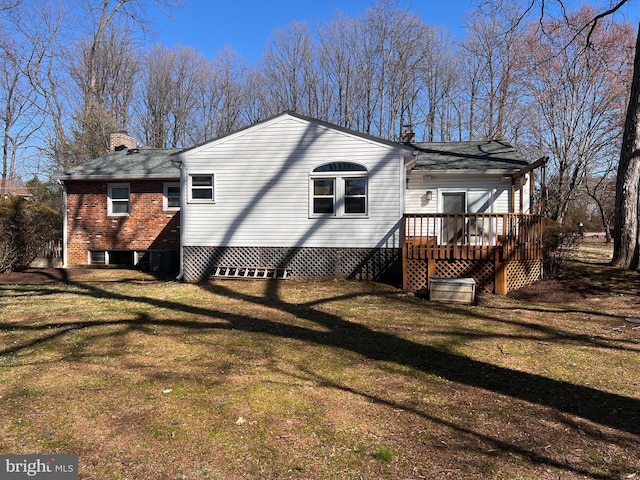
(481, 236)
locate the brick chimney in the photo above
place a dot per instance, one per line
(121, 141)
(408, 135)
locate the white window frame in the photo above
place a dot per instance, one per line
(209, 187)
(111, 200)
(165, 196)
(332, 196)
(365, 195)
(339, 179)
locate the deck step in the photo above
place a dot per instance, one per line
(251, 272)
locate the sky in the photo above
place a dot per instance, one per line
(208, 25)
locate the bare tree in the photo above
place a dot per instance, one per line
(18, 113)
(601, 188)
(255, 105)
(440, 72)
(20, 110)
(339, 64)
(287, 68)
(154, 95)
(37, 27)
(108, 70)
(228, 72)
(94, 118)
(392, 50)
(185, 80)
(492, 44)
(579, 116)
(175, 96)
(626, 251)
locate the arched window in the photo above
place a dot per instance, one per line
(338, 189)
(340, 167)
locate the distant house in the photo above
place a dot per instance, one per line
(296, 196)
(123, 208)
(10, 188)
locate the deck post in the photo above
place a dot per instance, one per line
(405, 259)
(431, 271)
(501, 281)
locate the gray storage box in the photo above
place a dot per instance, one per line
(452, 290)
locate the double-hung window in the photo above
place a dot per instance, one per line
(118, 199)
(171, 196)
(201, 188)
(324, 196)
(355, 196)
(339, 189)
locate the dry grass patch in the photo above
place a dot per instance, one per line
(275, 380)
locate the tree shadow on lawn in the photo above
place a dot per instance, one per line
(608, 409)
(495, 443)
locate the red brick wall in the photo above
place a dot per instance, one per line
(89, 227)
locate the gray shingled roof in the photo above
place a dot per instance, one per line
(125, 164)
(481, 157)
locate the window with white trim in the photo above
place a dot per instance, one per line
(171, 200)
(201, 188)
(118, 199)
(339, 189)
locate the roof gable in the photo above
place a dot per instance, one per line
(294, 115)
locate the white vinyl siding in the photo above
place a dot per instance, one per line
(485, 193)
(262, 181)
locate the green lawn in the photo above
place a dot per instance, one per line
(321, 380)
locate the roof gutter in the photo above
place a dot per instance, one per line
(465, 172)
(102, 178)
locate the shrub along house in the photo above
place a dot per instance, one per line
(295, 196)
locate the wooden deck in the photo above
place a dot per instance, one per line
(501, 251)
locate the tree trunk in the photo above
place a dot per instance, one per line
(626, 234)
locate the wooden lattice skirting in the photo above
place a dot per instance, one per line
(519, 273)
(357, 263)
(523, 272)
